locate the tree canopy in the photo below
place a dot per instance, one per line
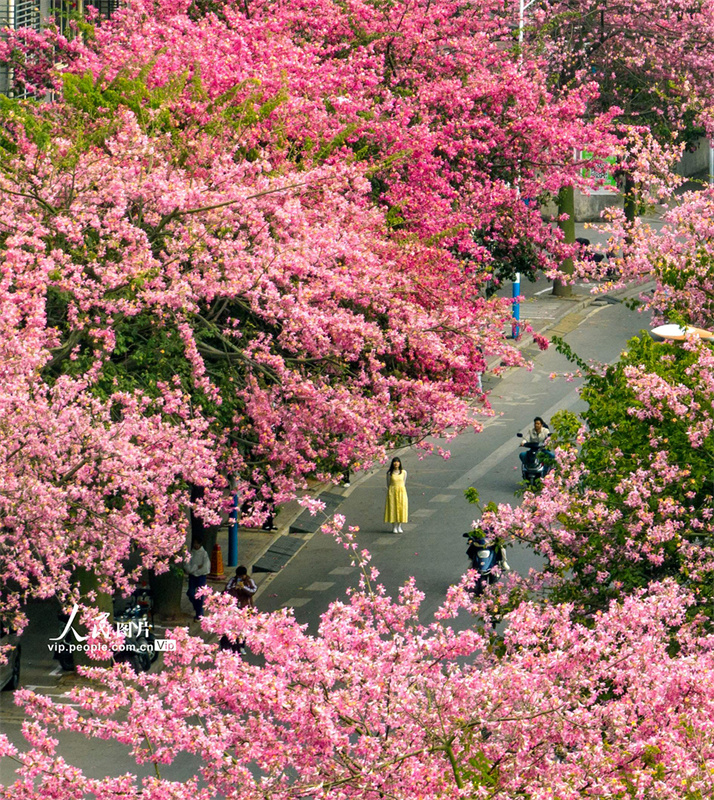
(378, 704)
(272, 239)
(255, 243)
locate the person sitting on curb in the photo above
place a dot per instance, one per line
(242, 587)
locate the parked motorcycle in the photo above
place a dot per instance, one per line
(63, 645)
(134, 618)
(535, 466)
(484, 556)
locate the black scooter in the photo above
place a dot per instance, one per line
(484, 556)
(535, 466)
(136, 622)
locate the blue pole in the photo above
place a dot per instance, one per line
(233, 534)
(516, 328)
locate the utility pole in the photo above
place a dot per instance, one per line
(523, 6)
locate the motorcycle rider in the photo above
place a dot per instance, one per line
(538, 433)
(484, 556)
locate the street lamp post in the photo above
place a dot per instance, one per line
(523, 6)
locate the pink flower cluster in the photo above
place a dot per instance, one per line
(379, 703)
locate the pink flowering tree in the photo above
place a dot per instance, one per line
(88, 482)
(680, 261)
(162, 328)
(630, 500)
(674, 261)
(647, 58)
(378, 703)
(650, 62)
(238, 245)
(456, 129)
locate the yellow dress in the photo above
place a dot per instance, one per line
(396, 509)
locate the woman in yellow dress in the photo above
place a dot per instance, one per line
(396, 510)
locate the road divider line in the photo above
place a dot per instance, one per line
(507, 450)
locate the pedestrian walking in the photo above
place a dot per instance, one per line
(396, 510)
(479, 373)
(198, 565)
(269, 524)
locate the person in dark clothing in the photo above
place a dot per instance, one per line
(242, 587)
(198, 565)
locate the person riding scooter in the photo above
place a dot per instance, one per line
(484, 555)
(536, 460)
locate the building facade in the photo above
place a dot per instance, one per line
(35, 14)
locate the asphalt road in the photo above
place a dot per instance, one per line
(431, 549)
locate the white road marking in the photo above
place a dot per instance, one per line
(319, 586)
(296, 602)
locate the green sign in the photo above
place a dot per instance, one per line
(600, 173)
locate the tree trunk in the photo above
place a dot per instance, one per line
(630, 200)
(166, 590)
(89, 582)
(207, 534)
(566, 206)
(167, 587)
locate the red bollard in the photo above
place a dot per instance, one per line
(216, 563)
